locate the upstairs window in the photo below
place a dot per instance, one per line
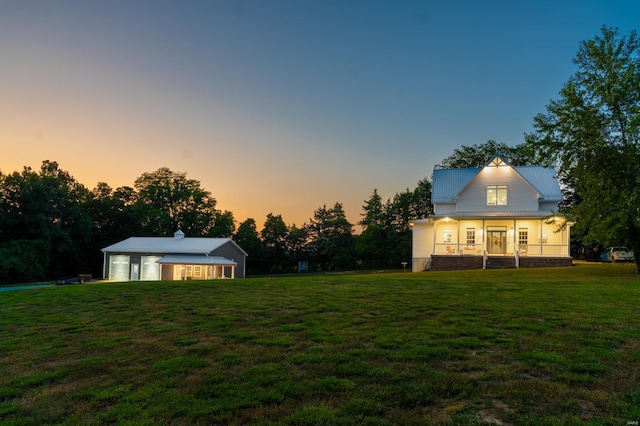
(497, 195)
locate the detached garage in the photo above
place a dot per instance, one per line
(173, 258)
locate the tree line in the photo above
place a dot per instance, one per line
(51, 226)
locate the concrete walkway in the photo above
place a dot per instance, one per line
(25, 287)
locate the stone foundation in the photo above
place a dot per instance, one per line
(458, 263)
(545, 262)
(455, 263)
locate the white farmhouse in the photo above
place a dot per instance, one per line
(495, 216)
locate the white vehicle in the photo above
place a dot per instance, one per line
(617, 254)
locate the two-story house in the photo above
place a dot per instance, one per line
(495, 216)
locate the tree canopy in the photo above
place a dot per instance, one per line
(167, 200)
(592, 134)
(476, 156)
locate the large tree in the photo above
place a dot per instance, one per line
(224, 225)
(476, 156)
(385, 241)
(167, 201)
(592, 134)
(248, 239)
(43, 224)
(274, 237)
(331, 240)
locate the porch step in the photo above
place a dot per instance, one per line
(501, 262)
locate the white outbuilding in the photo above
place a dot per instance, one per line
(173, 258)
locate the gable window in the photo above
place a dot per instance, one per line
(497, 195)
(471, 236)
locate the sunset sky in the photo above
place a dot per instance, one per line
(280, 106)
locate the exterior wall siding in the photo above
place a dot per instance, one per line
(520, 195)
(231, 252)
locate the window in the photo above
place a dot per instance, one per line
(471, 236)
(197, 271)
(523, 236)
(497, 195)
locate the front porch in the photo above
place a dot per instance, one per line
(448, 243)
(513, 237)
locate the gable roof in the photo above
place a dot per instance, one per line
(165, 245)
(448, 183)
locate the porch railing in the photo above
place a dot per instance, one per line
(554, 250)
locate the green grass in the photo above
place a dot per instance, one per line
(531, 346)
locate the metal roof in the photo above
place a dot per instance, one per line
(174, 259)
(495, 214)
(169, 245)
(544, 179)
(447, 183)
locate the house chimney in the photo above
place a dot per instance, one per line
(179, 235)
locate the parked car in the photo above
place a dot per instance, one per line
(617, 254)
(79, 279)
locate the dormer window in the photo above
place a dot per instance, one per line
(496, 195)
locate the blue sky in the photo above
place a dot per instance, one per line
(280, 106)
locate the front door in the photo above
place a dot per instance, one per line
(497, 241)
(135, 271)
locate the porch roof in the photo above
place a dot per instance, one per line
(174, 259)
(494, 214)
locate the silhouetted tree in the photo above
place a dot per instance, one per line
(248, 239)
(224, 225)
(331, 240)
(166, 201)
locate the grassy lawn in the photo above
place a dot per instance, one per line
(529, 346)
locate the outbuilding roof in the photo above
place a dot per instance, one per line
(170, 245)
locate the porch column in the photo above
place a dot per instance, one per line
(233, 272)
(458, 246)
(435, 238)
(515, 238)
(540, 237)
(184, 275)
